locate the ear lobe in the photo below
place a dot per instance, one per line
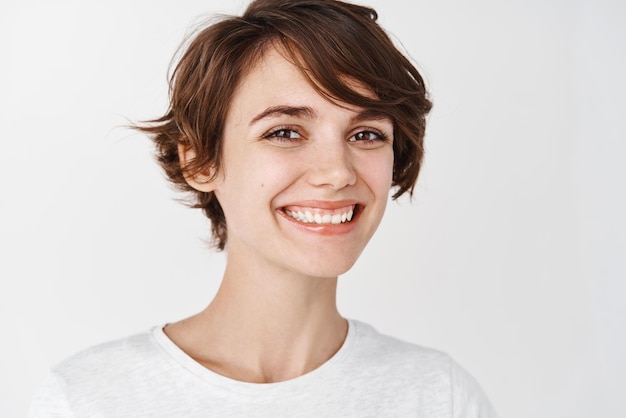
(203, 181)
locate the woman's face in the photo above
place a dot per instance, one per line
(304, 182)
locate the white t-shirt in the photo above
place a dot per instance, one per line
(372, 375)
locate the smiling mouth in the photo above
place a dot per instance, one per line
(321, 216)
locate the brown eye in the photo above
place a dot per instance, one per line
(367, 137)
(285, 134)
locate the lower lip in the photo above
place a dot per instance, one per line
(325, 229)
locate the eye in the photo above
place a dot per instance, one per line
(283, 136)
(368, 138)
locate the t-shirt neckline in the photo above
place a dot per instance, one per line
(331, 366)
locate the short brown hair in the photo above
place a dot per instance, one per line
(332, 42)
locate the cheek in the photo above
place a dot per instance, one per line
(256, 179)
(377, 170)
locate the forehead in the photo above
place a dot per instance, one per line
(271, 70)
(275, 78)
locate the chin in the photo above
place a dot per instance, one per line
(328, 268)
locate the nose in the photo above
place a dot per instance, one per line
(331, 165)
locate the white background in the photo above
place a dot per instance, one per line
(510, 257)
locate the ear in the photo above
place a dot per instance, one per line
(202, 181)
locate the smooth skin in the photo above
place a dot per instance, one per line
(287, 149)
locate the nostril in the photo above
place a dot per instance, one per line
(333, 172)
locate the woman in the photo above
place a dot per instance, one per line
(288, 126)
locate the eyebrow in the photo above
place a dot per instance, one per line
(370, 114)
(274, 111)
(308, 113)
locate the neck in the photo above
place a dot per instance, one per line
(264, 324)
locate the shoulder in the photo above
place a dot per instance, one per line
(393, 353)
(123, 358)
(103, 373)
(427, 376)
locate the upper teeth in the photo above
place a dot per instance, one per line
(319, 218)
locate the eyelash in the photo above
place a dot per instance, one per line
(274, 134)
(380, 137)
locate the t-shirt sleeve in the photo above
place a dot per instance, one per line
(50, 401)
(468, 398)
